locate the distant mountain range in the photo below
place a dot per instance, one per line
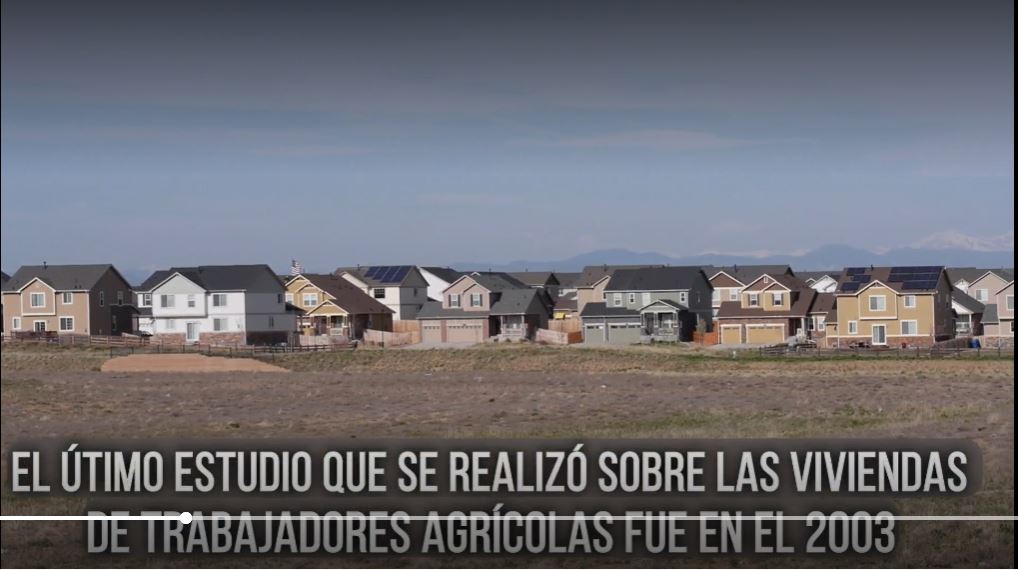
(826, 257)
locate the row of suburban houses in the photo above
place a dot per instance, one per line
(751, 305)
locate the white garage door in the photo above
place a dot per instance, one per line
(464, 331)
(431, 331)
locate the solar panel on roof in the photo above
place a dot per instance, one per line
(401, 272)
(855, 271)
(852, 286)
(385, 275)
(918, 285)
(371, 272)
(861, 278)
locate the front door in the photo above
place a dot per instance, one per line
(39, 326)
(192, 332)
(879, 334)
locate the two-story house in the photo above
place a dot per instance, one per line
(770, 310)
(984, 288)
(649, 304)
(328, 305)
(892, 306)
(438, 279)
(728, 281)
(219, 304)
(402, 288)
(998, 318)
(68, 299)
(593, 279)
(485, 305)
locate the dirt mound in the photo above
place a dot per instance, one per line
(186, 363)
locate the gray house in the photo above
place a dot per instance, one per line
(649, 304)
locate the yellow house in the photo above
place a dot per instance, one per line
(330, 305)
(891, 307)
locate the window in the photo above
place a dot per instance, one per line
(192, 302)
(982, 295)
(219, 299)
(37, 300)
(646, 299)
(754, 299)
(39, 326)
(67, 298)
(167, 301)
(777, 299)
(289, 298)
(878, 303)
(272, 322)
(1010, 302)
(733, 294)
(310, 299)
(16, 323)
(379, 293)
(113, 323)
(279, 298)
(632, 298)
(715, 296)
(617, 299)
(909, 328)
(454, 301)
(171, 325)
(102, 298)
(476, 300)
(120, 297)
(146, 300)
(67, 323)
(683, 297)
(910, 301)
(853, 327)
(219, 325)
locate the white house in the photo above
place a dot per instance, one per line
(217, 304)
(402, 288)
(439, 279)
(819, 281)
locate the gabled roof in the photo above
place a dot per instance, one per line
(971, 274)
(346, 295)
(593, 274)
(666, 302)
(603, 310)
(446, 274)
(4, 278)
(59, 277)
(655, 279)
(520, 302)
(814, 276)
(903, 279)
(746, 273)
(536, 278)
(790, 282)
(966, 301)
(257, 278)
(496, 280)
(824, 303)
(380, 275)
(567, 279)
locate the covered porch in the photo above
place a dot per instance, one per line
(326, 320)
(661, 321)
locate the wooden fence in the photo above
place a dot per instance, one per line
(386, 338)
(72, 339)
(706, 338)
(566, 325)
(548, 336)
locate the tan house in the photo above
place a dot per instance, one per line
(769, 310)
(998, 319)
(892, 306)
(68, 299)
(728, 281)
(985, 287)
(480, 306)
(329, 305)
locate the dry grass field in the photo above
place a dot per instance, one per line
(525, 392)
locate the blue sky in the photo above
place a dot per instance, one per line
(378, 132)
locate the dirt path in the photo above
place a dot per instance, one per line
(185, 363)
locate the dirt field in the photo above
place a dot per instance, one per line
(379, 394)
(185, 363)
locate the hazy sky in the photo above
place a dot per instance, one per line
(434, 132)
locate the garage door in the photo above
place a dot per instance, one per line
(623, 333)
(731, 334)
(765, 334)
(464, 331)
(431, 331)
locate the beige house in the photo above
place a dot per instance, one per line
(769, 310)
(998, 320)
(985, 287)
(728, 281)
(892, 307)
(328, 305)
(68, 299)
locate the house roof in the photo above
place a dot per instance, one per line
(568, 279)
(446, 274)
(791, 282)
(518, 301)
(346, 295)
(257, 278)
(536, 278)
(603, 310)
(592, 274)
(904, 279)
(990, 315)
(824, 303)
(814, 276)
(746, 273)
(380, 275)
(434, 310)
(59, 277)
(566, 302)
(970, 274)
(655, 278)
(496, 280)
(966, 301)
(666, 302)
(799, 308)
(4, 277)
